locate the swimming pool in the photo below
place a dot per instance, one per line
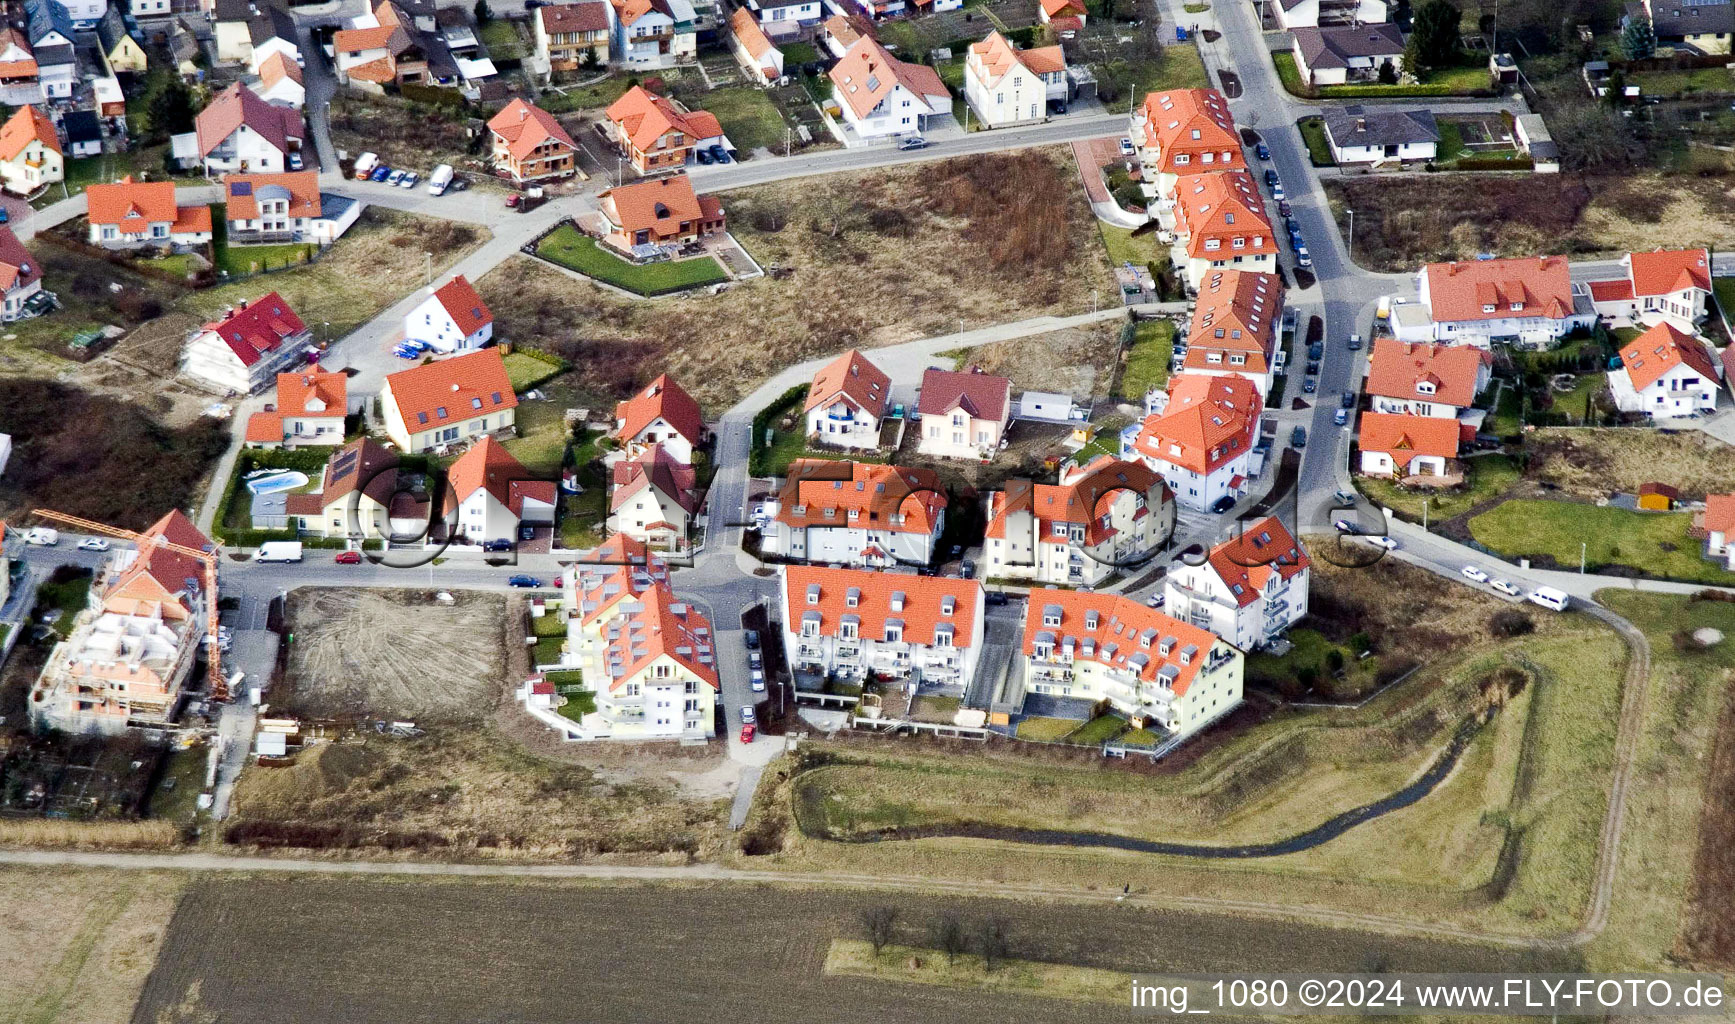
(286, 480)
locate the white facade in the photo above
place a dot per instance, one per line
(433, 323)
(1020, 96)
(848, 624)
(1259, 613)
(849, 542)
(85, 13)
(1378, 463)
(246, 150)
(843, 424)
(958, 435)
(16, 297)
(651, 41)
(1680, 391)
(786, 21)
(659, 431)
(1406, 152)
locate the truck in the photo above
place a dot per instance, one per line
(42, 536)
(278, 551)
(438, 181)
(364, 165)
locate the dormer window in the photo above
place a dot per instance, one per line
(852, 597)
(1090, 620)
(1516, 306)
(813, 593)
(1424, 387)
(1488, 307)
(948, 605)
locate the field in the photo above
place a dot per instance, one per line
(1551, 533)
(574, 250)
(1594, 463)
(859, 260)
(747, 115)
(1078, 361)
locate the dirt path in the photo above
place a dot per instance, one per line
(1633, 695)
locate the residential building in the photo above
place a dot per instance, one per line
(758, 56)
(133, 644)
(490, 495)
(20, 78)
(83, 131)
(1718, 523)
(285, 207)
(854, 513)
(1666, 372)
(1202, 442)
(1163, 674)
(1179, 133)
(530, 145)
(655, 135)
(1100, 518)
(1007, 86)
(785, 20)
(309, 410)
(1235, 325)
(245, 350)
(52, 42)
(280, 82)
(82, 14)
(1220, 223)
(846, 402)
(840, 31)
(881, 96)
(449, 402)
(120, 51)
(355, 495)
(1345, 54)
(238, 131)
(853, 623)
(572, 36)
(652, 33)
(1066, 17)
(129, 214)
(661, 414)
(229, 29)
(1672, 285)
(658, 212)
(386, 47)
(1401, 445)
(963, 415)
(272, 31)
(30, 154)
(1528, 303)
(1360, 135)
(453, 318)
(1294, 14)
(1703, 26)
(148, 9)
(1249, 590)
(1422, 379)
(20, 275)
(653, 498)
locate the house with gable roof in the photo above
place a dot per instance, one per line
(453, 318)
(245, 350)
(652, 33)
(1202, 441)
(1399, 445)
(846, 402)
(1421, 379)
(643, 216)
(272, 31)
(1249, 590)
(1528, 303)
(567, 34)
(20, 77)
(1007, 86)
(1668, 284)
(280, 82)
(785, 20)
(489, 495)
(238, 131)
(754, 51)
(655, 135)
(1099, 518)
(114, 35)
(354, 498)
(530, 145)
(1666, 372)
(1220, 224)
(1718, 524)
(880, 96)
(129, 214)
(654, 498)
(30, 153)
(309, 410)
(1294, 14)
(1183, 132)
(840, 31)
(963, 414)
(1235, 324)
(267, 208)
(20, 275)
(850, 623)
(449, 402)
(857, 513)
(660, 414)
(1066, 17)
(51, 28)
(386, 46)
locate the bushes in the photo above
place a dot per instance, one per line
(759, 461)
(1510, 622)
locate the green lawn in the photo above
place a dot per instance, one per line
(1504, 420)
(1179, 67)
(1724, 289)
(1047, 730)
(176, 797)
(1489, 476)
(501, 38)
(1456, 81)
(1683, 82)
(547, 650)
(1124, 247)
(548, 624)
(1148, 358)
(1318, 148)
(1308, 661)
(588, 97)
(109, 167)
(795, 54)
(1451, 144)
(749, 118)
(180, 264)
(582, 515)
(574, 250)
(1098, 730)
(1289, 73)
(69, 597)
(527, 369)
(1654, 542)
(542, 436)
(788, 445)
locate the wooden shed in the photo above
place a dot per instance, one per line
(1655, 497)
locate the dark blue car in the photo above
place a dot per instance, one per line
(524, 581)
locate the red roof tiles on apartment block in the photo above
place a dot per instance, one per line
(458, 297)
(255, 328)
(526, 126)
(1496, 289)
(1397, 369)
(893, 499)
(1669, 270)
(1211, 417)
(1117, 632)
(982, 395)
(851, 378)
(1661, 349)
(1247, 561)
(296, 392)
(17, 268)
(242, 192)
(663, 625)
(1194, 124)
(661, 399)
(1405, 437)
(919, 604)
(25, 126)
(1219, 209)
(1084, 499)
(655, 468)
(1237, 312)
(452, 390)
(239, 105)
(619, 568)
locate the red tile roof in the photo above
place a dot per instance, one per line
(276, 68)
(655, 467)
(1670, 270)
(25, 126)
(1661, 349)
(852, 378)
(1397, 369)
(461, 302)
(1195, 124)
(1117, 632)
(1247, 562)
(998, 57)
(296, 391)
(265, 428)
(867, 73)
(893, 499)
(1720, 513)
(1216, 210)
(982, 395)
(525, 126)
(1212, 418)
(667, 207)
(241, 193)
(661, 398)
(238, 105)
(1237, 313)
(1405, 437)
(17, 268)
(144, 202)
(752, 38)
(662, 626)
(619, 568)
(1611, 291)
(158, 573)
(644, 117)
(1084, 498)
(1056, 8)
(452, 390)
(919, 603)
(258, 327)
(1488, 289)
(487, 465)
(582, 17)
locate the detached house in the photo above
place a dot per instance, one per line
(1671, 285)
(854, 513)
(246, 350)
(840, 31)
(846, 402)
(653, 33)
(1341, 54)
(20, 78)
(661, 414)
(1294, 14)
(310, 410)
(1400, 445)
(1202, 442)
(850, 623)
(285, 208)
(20, 275)
(1235, 325)
(490, 495)
(386, 47)
(881, 96)
(1220, 223)
(453, 318)
(30, 154)
(785, 19)
(449, 402)
(656, 136)
(280, 82)
(572, 36)
(1704, 26)
(1361, 135)
(272, 31)
(132, 213)
(653, 498)
(1718, 522)
(1100, 518)
(963, 415)
(1249, 590)
(658, 212)
(238, 131)
(1419, 379)
(52, 41)
(120, 51)
(1163, 674)
(1529, 303)
(530, 145)
(1006, 86)
(355, 495)
(758, 56)
(1666, 372)
(1183, 132)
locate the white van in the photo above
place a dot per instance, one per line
(438, 181)
(1550, 598)
(42, 536)
(364, 165)
(278, 551)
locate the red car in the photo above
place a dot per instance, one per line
(348, 558)
(749, 731)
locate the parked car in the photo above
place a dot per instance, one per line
(747, 717)
(1277, 192)
(967, 569)
(751, 639)
(1316, 350)
(1302, 257)
(1505, 588)
(749, 730)
(42, 536)
(1127, 146)
(757, 680)
(1270, 178)
(348, 558)
(1470, 572)
(1263, 151)
(395, 178)
(1383, 542)
(996, 597)
(913, 142)
(1310, 385)
(1154, 601)
(719, 154)
(497, 545)
(1345, 526)
(1298, 437)
(1355, 343)
(1341, 417)
(1312, 367)
(1283, 209)
(380, 173)
(704, 156)
(410, 180)
(93, 544)
(295, 162)
(513, 200)
(403, 352)
(523, 581)
(1347, 400)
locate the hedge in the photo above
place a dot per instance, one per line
(306, 460)
(758, 450)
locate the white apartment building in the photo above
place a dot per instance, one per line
(1101, 517)
(1249, 590)
(848, 623)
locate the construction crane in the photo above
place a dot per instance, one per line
(219, 684)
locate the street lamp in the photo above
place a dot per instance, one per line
(430, 258)
(1351, 234)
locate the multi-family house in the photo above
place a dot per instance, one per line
(490, 496)
(20, 78)
(1668, 284)
(309, 410)
(655, 212)
(129, 214)
(238, 131)
(653, 498)
(785, 20)
(853, 623)
(285, 208)
(855, 513)
(1718, 524)
(1401, 445)
(1202, 442)
(1235, 325)
(1341, 54)
(654, 135)
(846, 402)
(248, 347)
(652, 33)
(133, 644)
(1182, 132)
(881, 96)
(754, 51)
(20, 275)
(530, 145)
(30, 154)
(52, 41)
(1702, 26)
(1249, 589)
(963, 414)
(280, 83)
(453, 318)
(1100, 518)
(1666, 372)
(1006, 86)
(120, 51)
(572, 36)
(1294, 14)
(1219, 223)
(1163, 674)
(1528, 303)
(1422, 379)
(448, 402)
(660, 414)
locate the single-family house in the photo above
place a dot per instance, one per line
(280, 82)
(52, 42)
(30, 153)
(1249, 589)
(840, 31)
(355, 494)
(758, 56)
(287, 207)
(1006, 86)
(1065, 17)
(1703, 26)
(271, 31)
(1365, 135)
(386, 47)
(490, 496)
(1202, 442)
(654, 498)
(1528, 303)
(20, 78)
(657, 212)
(1666, 372)
(856, 513)
(652, 33)
(248, 347)
(655, 135)
(83, 131)
(662, 413)
(1165, 675)
(229, 21)
(309, 409)
(847, 401)
(1671, 285)
(572, 36)
(238, 131)
(1294, 14)
(850, 623)
(453, 318)
(1101, 518)
(530, 145)
(1182, 132)
(1400, 445)
(1235, 324)
(132, 213)
(449, 402)
(120, 51)
(1342, 54)
(148, 9)
(963, 414)
(1426, 379)
(1718, 522)
(84, 14)
(20, 275)
(881, 96)
(785, 20)
(1220, 222)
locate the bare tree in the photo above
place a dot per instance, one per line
(879, 921)
(946, 933)
(991, 941)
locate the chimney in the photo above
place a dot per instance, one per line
(240, 305)
(454, 387)
(1361, 124)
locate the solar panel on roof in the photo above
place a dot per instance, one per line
(240, 188)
